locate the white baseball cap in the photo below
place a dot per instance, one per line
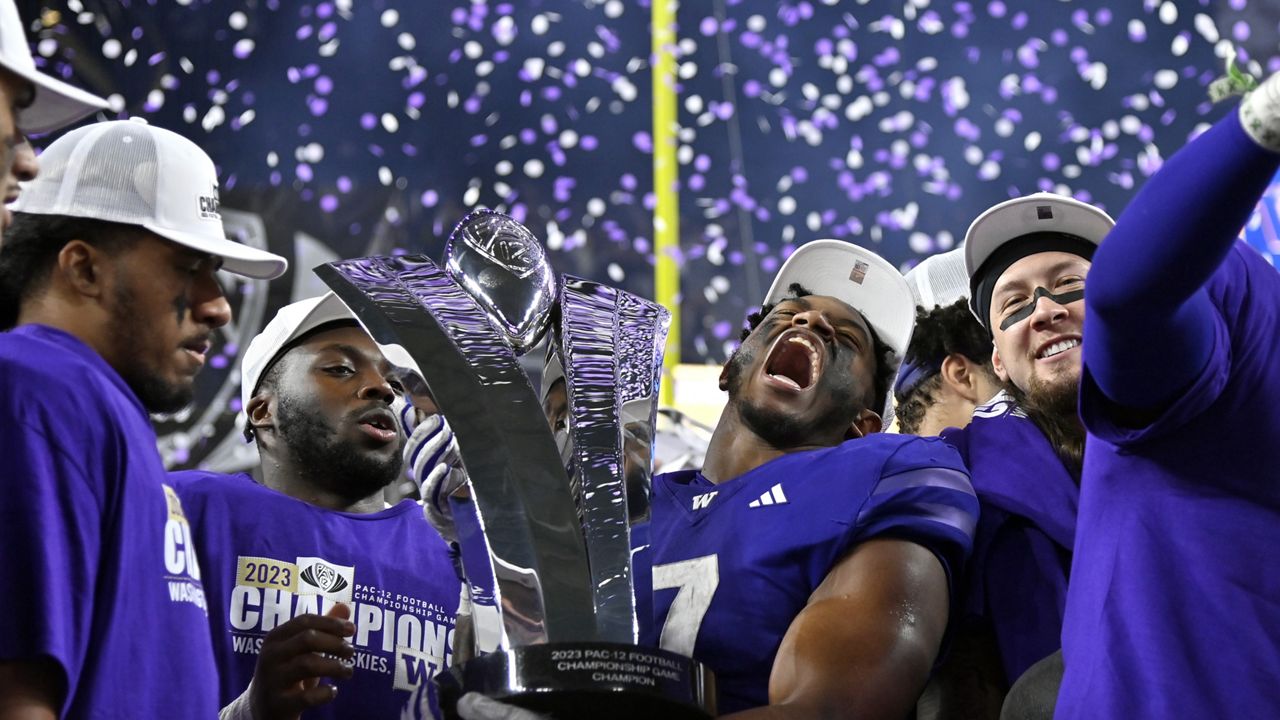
(56, 103)
(1012, 219)
(127, 171)
(290, 323)
(857, 276)
(939, 280)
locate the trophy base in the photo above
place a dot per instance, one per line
(586, 681)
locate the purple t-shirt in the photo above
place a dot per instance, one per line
(96, 558)
(1174, 603)
(269, 557)
(749, 552)
(1017, 578)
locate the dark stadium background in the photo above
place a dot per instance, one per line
(371, 126)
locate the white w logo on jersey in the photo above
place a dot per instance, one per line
(703, 500)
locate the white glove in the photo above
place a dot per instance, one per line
(430, 456)
(1260, 113)
(474, 706)
(430, 450)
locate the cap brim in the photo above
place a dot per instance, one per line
(333, 308)
(236, 257)
(858, 277)
(56, 104)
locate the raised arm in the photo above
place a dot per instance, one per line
(1149, 325)
(863, 646)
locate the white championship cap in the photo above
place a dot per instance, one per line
(56, 103)
(939, 280)
(127, 171)
(859, 277)
(290, 323)
(1039, 212)
(863, 280)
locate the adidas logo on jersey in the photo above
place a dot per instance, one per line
(703, 500)
(773, 496)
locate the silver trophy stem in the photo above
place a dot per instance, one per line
(588, 334)
(521, 495)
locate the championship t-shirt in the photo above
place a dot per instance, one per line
(269, 557)
(734, 564)
(1174, 603)
(1016, 581)
(96, 556)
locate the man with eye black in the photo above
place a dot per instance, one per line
(1027, 260)
(323, 600)
(110, 304)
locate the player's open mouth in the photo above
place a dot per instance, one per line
(197, 349)
(378, 424)
(1057, 347)
(794, 361)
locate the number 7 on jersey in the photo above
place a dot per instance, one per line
(695, 581)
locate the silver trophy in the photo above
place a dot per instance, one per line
(545, 546)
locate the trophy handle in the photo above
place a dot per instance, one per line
(610, 343)
(642, 342)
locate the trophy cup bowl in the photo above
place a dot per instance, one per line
(505, 269)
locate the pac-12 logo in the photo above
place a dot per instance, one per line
(317, 576)
(325, 577)
(505, 243)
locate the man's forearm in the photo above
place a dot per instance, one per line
(1149, 328)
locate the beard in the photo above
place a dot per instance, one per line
(327, 460)
(782, 430)
(155, 393)
(1053, 407)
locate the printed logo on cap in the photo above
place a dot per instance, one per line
(208, 205)
(859, 272)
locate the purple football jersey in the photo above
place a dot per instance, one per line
(269, 557)
(1016, 580)
(96, 554)
(734, 564)
(1174, 603)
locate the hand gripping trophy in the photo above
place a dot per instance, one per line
(544, 535)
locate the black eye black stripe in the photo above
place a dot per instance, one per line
(1025, 312)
